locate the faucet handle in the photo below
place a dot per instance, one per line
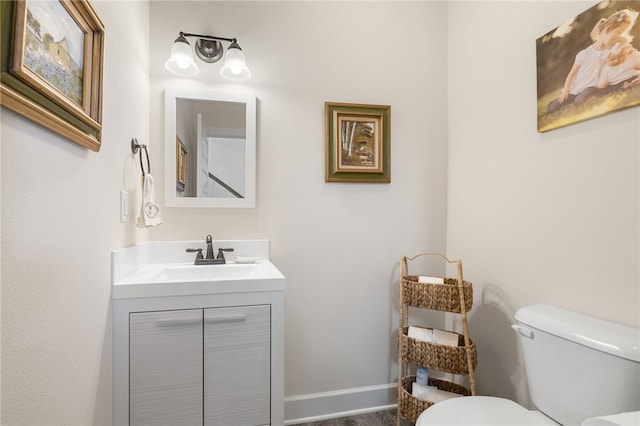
(194, 250)
(221, 254)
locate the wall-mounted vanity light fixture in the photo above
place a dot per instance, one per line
(209, 49)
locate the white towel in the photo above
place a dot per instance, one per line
(430, 280)
(442, 337)
(419, 333)
(431, 393)
(150, 210)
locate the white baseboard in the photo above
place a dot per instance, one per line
(341, 403)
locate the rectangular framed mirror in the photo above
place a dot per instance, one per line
(216, 132)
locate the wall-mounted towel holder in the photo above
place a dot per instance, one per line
(135, 148)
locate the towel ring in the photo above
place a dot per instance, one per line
(135, 147)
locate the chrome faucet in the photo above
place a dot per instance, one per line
(210, 259)
(209, 247)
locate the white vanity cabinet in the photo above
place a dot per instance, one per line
(200, 365)
(197, 351)
(218, 364)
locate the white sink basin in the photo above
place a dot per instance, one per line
(187, 279)
(184, 272)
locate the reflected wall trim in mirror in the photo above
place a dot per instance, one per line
(216, 131)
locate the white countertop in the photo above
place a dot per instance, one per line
(146, 270)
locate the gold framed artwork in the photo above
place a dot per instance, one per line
(589, 66)
(181, 165)
(357, 143)
(52, 63)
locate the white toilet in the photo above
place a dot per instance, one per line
(579, 369)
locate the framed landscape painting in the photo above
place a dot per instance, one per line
(52, 59)
(589, 66)
(357, 143)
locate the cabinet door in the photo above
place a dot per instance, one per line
(165, 368)
(237, 360)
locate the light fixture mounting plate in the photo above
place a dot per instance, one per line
(209, 51)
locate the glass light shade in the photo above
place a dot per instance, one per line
(235, 67)
(181, 59)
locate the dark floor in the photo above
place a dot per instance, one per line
(380, 418)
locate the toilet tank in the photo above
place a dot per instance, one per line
(578, 366)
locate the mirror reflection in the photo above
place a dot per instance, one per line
(209, 149)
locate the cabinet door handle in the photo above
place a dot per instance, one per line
(226, 318)
(177, 322)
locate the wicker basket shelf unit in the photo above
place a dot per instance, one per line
(455, 296)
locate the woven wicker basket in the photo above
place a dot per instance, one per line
(452, 359)
(440, 297)
(411, 407)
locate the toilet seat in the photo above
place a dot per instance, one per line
(481, 410)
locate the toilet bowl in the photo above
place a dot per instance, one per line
(622, 419)
(489, 410)
(481, 410)
(580, 371)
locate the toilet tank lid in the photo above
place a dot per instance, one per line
(606, 336)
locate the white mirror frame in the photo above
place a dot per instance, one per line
(170, 100)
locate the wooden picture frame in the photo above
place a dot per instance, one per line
(52, 56)
(357, 143)
(181, 165)
(589, 66)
